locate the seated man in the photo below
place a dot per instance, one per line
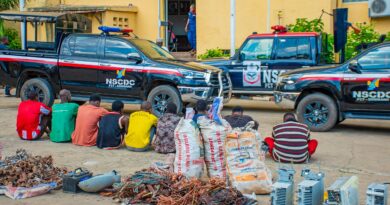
(112, 127)
(164, 141)
(63, 119)
(33, 118)
(141, 129)
(88, 116)
(291, 141)
(238, 119)
(201, 110)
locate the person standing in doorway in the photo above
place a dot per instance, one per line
(191, 29)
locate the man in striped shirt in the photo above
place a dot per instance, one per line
(290, 141)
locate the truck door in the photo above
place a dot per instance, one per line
(77, 64)
(247, 71)
(291, 53)
(370, 90)
(119, 76)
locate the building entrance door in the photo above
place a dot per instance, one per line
(177, 19)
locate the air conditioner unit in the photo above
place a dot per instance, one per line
(379, 8)
(311, 189)
(283, 189)
(344, 191)
(376, 194)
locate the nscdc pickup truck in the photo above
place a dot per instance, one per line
(255, 68)
(325, 96)
(114, 66)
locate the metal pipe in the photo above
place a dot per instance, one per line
(36, 30)
(167, 37)
(220, 84)
(232, 27)
(159, 19)
(24, 40)
(23, 26)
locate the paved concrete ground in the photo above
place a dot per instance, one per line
(355, 147)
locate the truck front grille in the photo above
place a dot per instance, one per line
(214, 79)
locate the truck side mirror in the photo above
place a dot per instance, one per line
(134, 57)
(354, 66)
(241, 56)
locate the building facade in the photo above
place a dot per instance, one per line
(212, 16)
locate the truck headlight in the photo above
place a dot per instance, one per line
(189, 74)
(286, 80)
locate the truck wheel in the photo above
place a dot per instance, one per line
(318, 111)
(160, 96)
(42, 87)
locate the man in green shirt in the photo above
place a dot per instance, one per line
(63, 118)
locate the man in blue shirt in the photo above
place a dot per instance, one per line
(191, 28)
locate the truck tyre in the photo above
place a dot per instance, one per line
(160, 96)
(318, 111)
(42, 87)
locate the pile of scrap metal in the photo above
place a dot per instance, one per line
(25, 170)
(161, 187)
(23, 175)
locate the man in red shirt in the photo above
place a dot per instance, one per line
(33, 118)
(291, 141)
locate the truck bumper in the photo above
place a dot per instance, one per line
(286, 100)
(193, 94)
(220, 86)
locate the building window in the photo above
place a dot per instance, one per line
(349, 1)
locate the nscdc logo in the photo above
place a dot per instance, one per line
(121, 73)
(120, 81)
(373, 85)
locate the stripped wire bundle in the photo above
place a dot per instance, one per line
(154, 186)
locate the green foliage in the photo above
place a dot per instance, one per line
(316, 25)
(213, 53)
(327, 53)
(367, 35)
(305, 25)
(388, 36)
(12, 34)
(13, 38)
(8, 4)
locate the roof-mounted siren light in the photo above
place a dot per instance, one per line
(279, 29)
(108, 29)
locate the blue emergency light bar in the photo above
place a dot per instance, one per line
(108, 29)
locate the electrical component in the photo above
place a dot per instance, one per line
(283, 189)
(379, 8)
(311, 189)
(376, 194)
(344, 191)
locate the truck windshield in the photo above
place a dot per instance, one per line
(257, 49)
(152, 50)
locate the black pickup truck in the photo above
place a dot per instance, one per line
(114, 66)
(324, 96)
(255, 68)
